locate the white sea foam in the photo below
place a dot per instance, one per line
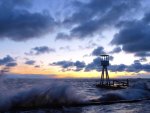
(28, 93)
(138, 90)
(50, 94)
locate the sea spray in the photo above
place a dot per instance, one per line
(144, 85)
(36, 93)
(139, 90)
(53, 94)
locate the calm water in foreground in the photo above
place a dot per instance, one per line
(31, 93)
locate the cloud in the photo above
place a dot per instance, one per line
(69, 65)
(143, 59)
(116, 50)
(62, 36)
(94, 65)
(11, 64)
(97, 15)
(19, 24)
(79, 65)
(40, 50)
(65, 48)
(142, 54)
(63, 64)
(37, 66)
(146, 67)
(134, 36)
(119, 68)
(111, 58)
(135, 67)
(30, 62)
(6, 60)
(98, 51)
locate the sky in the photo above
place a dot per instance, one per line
(65, 38)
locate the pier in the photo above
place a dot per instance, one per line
(105, 81)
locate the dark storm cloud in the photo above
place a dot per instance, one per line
(134, 36)
(143, 59)
(146, 67)
(63, 64)
(79, 65)
(98, 51)
(11, 64)
(142, 54)
(19, 24)
(120, 68)
(136, 66)
(6, 60)
(30, 62)
(69, 64)
(100, 9)
(63, 36)
(116, 50)
(40, 50)
(97, 15)
(111, 58)
(94, 65)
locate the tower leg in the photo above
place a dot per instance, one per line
(106, 77)
(102, 77)
(108, 81)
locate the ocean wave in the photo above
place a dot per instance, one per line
(59, 94)
(51, 95)
(138, 90)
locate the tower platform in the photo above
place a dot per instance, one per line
(114, 85)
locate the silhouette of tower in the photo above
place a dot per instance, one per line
(104, 75)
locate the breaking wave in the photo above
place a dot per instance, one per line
(138, 90)
(61, 94)
(51, 95)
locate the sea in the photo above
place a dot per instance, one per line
(45, 95)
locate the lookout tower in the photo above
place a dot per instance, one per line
(105, 81)
(104, 76)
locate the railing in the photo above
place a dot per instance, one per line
(120, 83)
